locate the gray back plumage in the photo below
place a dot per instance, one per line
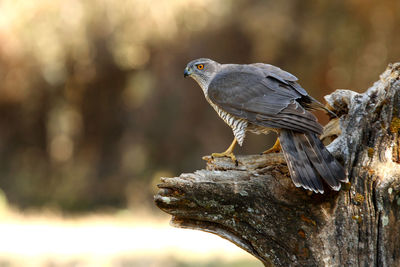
(263, 98)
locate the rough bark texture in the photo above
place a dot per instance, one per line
(256, 206)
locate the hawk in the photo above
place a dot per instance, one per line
(260, 98)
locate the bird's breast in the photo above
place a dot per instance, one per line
(238, 125)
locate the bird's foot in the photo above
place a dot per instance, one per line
(275, 149)
(272, 150)
(228, 154)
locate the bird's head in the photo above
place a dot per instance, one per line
(202, 70)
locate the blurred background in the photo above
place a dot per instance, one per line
(94, 110)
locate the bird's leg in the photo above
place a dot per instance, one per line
(275, 148)
(228, 152)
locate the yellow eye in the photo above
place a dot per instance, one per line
(200, 66)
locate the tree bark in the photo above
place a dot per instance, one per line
(256, 206)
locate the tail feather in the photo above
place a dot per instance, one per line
(319, 160)
(311, 177)
(325, 163)
(309, 161)
(300, 167)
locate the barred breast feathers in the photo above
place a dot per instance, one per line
(238, 125)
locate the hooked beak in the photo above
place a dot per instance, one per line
(187, 72)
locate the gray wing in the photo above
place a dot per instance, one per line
(263, 98)
(269, 69)
(289, 79)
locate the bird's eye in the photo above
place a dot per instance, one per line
(200, 66)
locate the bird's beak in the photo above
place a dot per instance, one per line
(187, 72)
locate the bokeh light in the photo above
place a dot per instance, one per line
(94, 107)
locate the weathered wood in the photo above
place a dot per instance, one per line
(256, 206)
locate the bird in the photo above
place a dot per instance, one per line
(260, 98)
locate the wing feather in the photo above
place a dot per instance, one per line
(262, 100)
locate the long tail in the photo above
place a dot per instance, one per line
(308, 161)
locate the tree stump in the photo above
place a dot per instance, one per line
(256, 206)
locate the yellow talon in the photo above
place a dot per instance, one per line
(224, 154)
(228, 153)
(275, 148)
